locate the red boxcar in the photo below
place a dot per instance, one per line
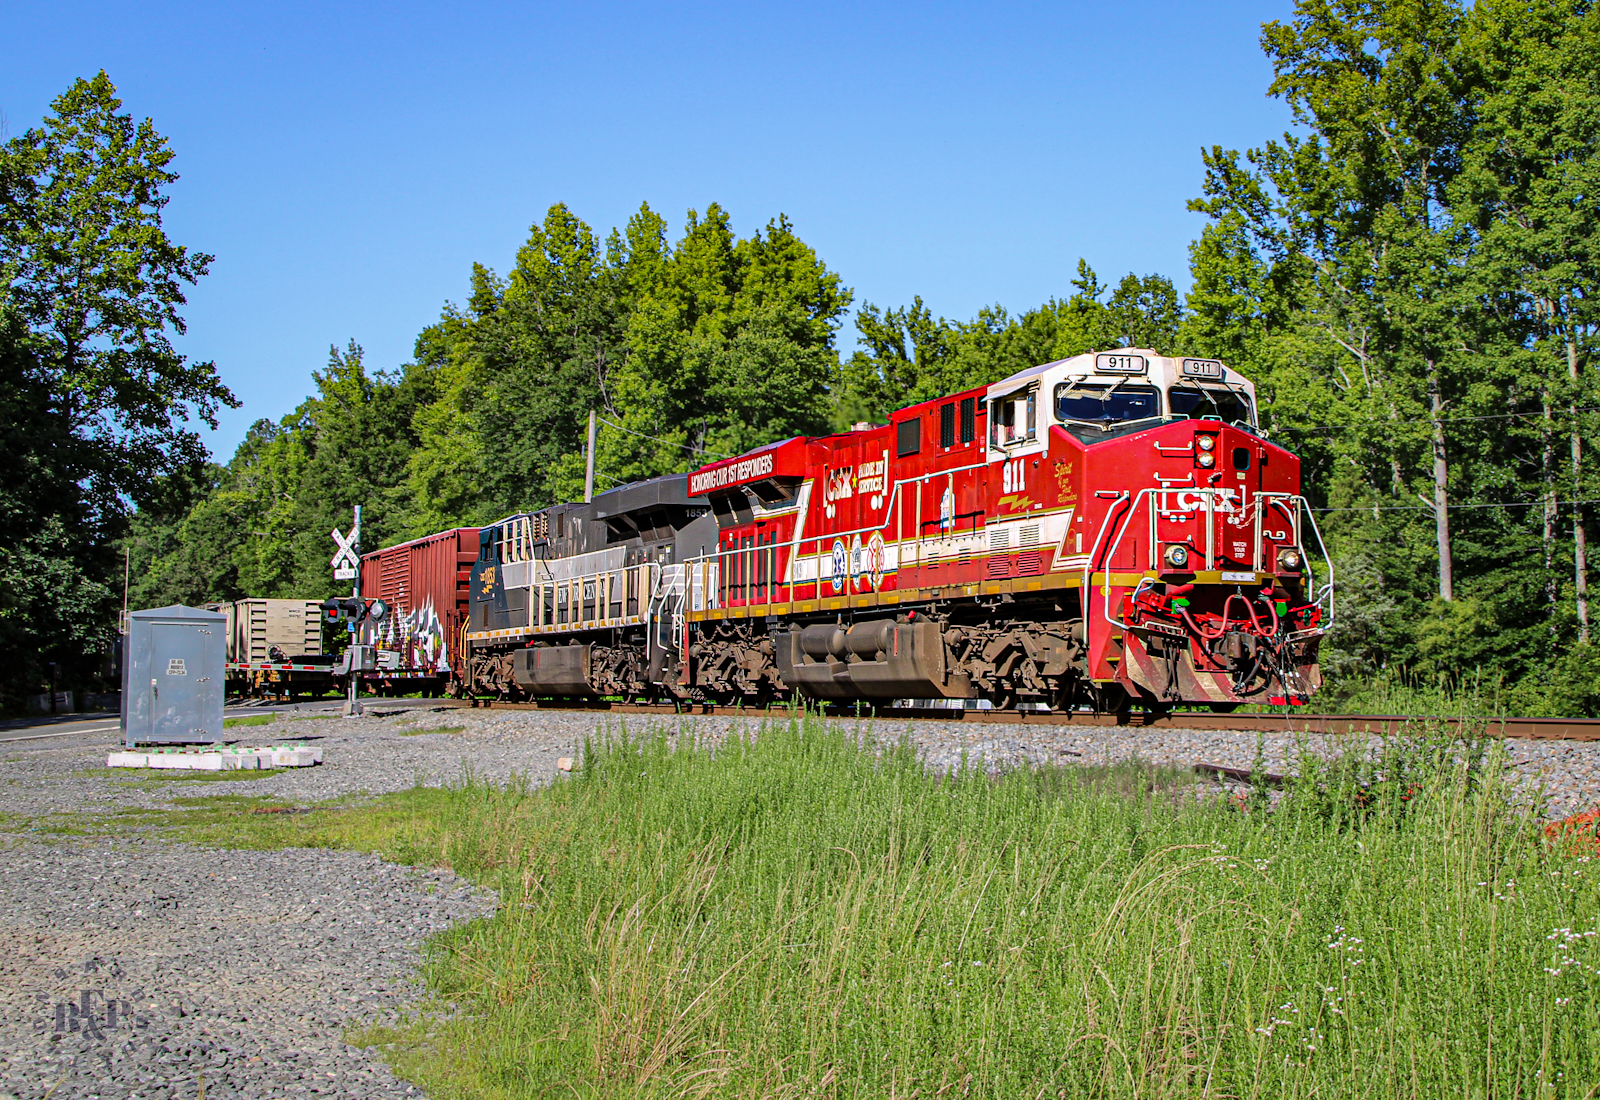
(425, 584)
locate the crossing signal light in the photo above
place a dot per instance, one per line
(350, 609)
(347, 610)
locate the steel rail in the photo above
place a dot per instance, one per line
(1541, 729)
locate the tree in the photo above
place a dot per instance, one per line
(1530, 174)
(909, 356)
(95, 278)
(55, 592)
(730, 346)
(518, 371)
(259, 525)
(94, 399)
(1386, 91)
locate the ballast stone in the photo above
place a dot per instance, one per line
(220, 760)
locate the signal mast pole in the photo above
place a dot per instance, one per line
(352, 705)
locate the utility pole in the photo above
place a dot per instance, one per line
(588, 466)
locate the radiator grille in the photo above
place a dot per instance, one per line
(999, 553)
(1028, 560)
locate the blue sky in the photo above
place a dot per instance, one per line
(347, 163)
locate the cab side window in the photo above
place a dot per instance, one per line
(1013, 419)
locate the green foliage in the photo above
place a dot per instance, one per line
(708, 347)
(98, 283)
(54, 595)
(259, 526)
(93, 398)
(793, 914)
(1409, 280)
(909, 357)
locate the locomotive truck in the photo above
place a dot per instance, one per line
(1105, 530)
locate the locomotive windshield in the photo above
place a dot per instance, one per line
(1106, 404)
(1209, 403)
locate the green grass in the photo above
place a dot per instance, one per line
(433, 729)
(252, 720)
(161, 775)
(793, 916)
(253, 822)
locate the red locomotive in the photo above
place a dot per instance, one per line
(1104, 530)
(1108, 528)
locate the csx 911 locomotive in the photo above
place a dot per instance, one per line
(1106, 530)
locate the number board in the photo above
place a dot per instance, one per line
(1117, 363)
(1202, 368)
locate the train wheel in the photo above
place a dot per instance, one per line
(1113, 699)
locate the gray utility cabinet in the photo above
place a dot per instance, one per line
(172, 676)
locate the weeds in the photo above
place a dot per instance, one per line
(187, 775)
(433, 729)
(1400, 691)
(793, 915)
(250, 720)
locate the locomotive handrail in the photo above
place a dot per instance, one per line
(1258, 505)
(1116, 541)
(1094, 549)
(649, 581)
(1301, 505)
(798, 551)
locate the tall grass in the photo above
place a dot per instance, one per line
(1473, 693)
(794, 916)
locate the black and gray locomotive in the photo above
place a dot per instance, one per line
(583, 599)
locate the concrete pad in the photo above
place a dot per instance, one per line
(230, 759)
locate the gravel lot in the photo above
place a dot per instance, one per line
(133, 967)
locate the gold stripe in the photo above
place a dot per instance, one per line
(898, 596)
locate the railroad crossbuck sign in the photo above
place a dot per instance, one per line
(345, 563)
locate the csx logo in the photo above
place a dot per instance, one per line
(1193, 502)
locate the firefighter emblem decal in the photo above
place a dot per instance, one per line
(874, 562)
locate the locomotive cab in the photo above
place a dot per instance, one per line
(1195, 584)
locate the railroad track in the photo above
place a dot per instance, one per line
(1541, 729)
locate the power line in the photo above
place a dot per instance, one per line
(1444, 420)
(1451, 507)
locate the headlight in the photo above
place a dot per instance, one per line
(1206, 458)
(1204, 442)
(1289, 559)
(1177, 556)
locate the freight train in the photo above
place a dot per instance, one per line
(1108, 530)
